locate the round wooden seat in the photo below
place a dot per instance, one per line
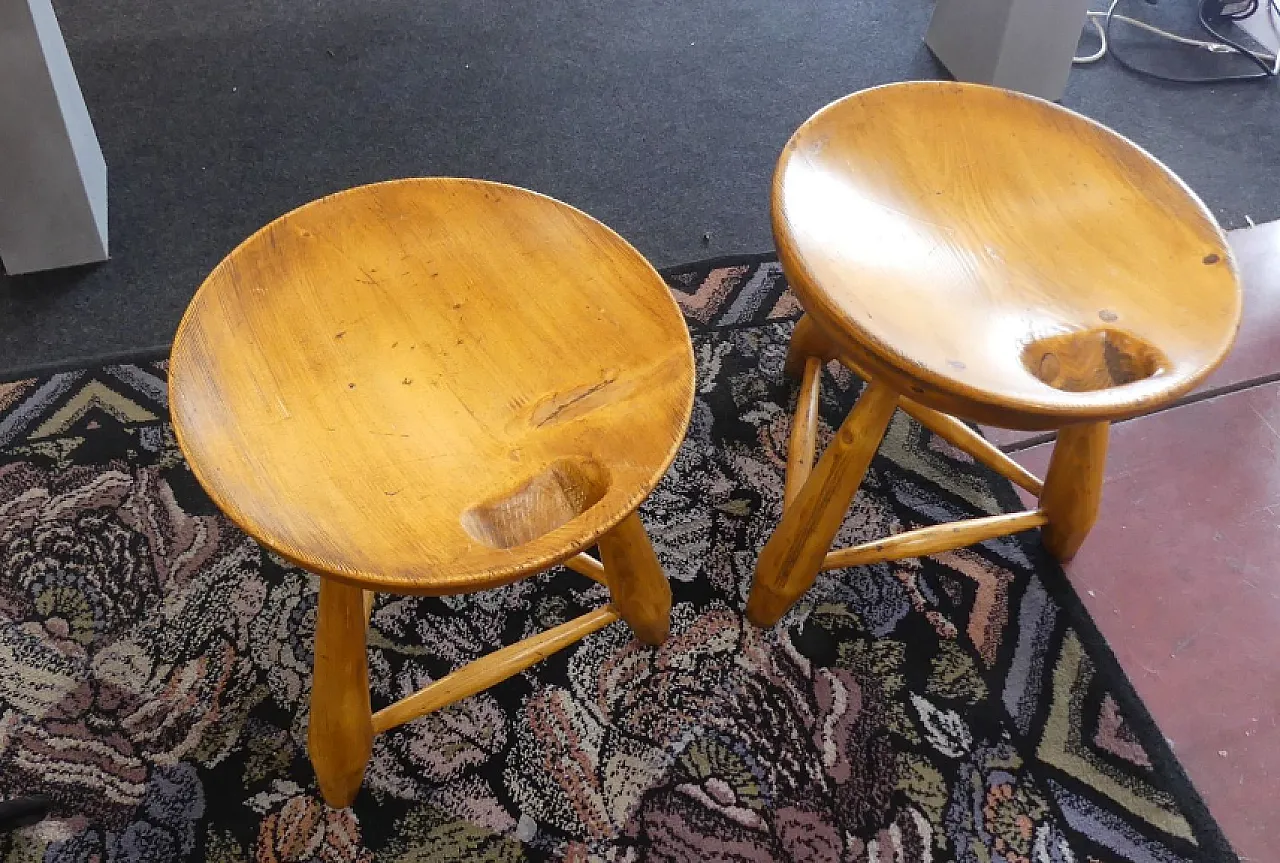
(431, 386)
(1001, 258)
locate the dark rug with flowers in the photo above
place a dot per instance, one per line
(155, 665)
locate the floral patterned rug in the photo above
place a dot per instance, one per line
(155, 665)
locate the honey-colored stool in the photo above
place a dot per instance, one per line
(978, 253)
(434, 387)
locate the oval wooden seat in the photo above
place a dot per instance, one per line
(1002, 258)
(431, 386)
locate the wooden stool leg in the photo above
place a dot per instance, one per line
(1073, 487)
(340, 736)
(637, 584)
(807, 341)
(792, 557)
(804, 431)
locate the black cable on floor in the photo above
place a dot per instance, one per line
(1266, 69)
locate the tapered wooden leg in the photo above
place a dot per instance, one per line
(807, 341)
(792, 557)
(340, 736)
(1073, 487)
(637, 584)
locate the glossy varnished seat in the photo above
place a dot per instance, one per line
(983, 254)
(1001, 257)
(434, 387)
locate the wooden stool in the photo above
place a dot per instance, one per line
(434, 387)
(973, 252)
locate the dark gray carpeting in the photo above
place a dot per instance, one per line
(661, 117)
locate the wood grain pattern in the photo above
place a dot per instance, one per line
(340, 730)
(479, 675)
(795, 552)
(934, 538)
(637, 584)
(431, 386)
(1000, 258)
(1073, 487)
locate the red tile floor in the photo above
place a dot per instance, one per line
(1182, 571)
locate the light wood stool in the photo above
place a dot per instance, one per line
(977, 253)
(434, 387)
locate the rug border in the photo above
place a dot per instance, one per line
(719, 261)
(115, 358)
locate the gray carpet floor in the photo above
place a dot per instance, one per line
(661, 117)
